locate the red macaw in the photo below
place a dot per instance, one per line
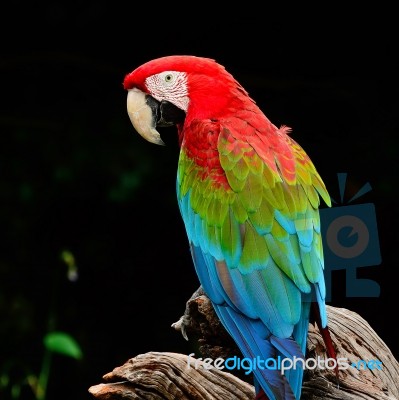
(249, 198)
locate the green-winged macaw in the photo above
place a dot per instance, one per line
(249, 198)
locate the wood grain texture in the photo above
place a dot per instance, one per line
(164, 375)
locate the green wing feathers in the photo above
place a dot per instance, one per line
(266, 210)
(261, 219)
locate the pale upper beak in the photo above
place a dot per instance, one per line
(146, 113)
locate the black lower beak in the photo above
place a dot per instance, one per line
(165, 113)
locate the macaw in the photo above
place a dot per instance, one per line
(249, 197)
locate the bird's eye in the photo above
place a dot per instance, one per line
(168, 78)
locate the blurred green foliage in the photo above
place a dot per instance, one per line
(75, 185)
(17, 376)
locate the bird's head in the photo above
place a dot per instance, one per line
(168, 90)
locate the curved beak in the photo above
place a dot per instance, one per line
(146, 113)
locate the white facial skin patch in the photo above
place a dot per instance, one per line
(170, 86)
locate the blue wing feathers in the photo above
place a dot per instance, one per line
(212, 287)
(265, 308)
(251, 334)
(252, 346)
(320, 300)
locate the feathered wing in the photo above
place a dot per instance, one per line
(254, 230)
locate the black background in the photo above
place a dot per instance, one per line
(75, 176)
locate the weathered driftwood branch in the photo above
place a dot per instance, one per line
(168, 375)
